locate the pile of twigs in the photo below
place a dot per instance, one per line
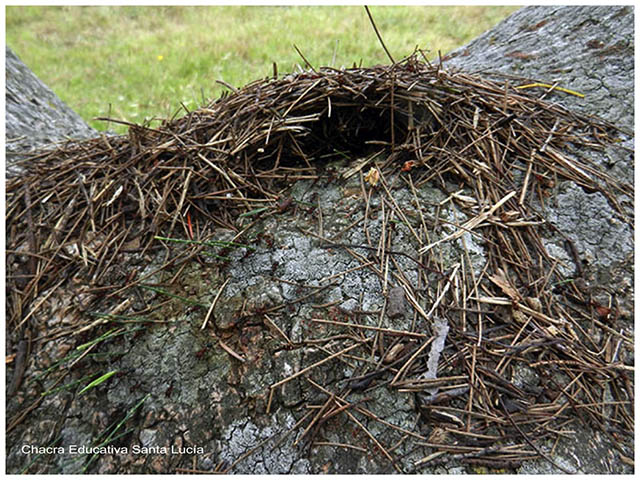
(76, 208)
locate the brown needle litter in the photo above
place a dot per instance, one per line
(76, 210)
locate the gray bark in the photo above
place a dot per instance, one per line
(199, 395)
(35, 116)
(587, 49)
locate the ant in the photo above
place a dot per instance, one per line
(200, 353)
(169, 391)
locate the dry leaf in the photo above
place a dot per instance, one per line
(373, 176)
(519, 316)
(393, 353)
(500, 279)
(603, 312)
(408, 165)
(534, 303)
(133, 244)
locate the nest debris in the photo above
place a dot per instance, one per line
(75, 209)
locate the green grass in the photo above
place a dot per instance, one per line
(135, 63)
